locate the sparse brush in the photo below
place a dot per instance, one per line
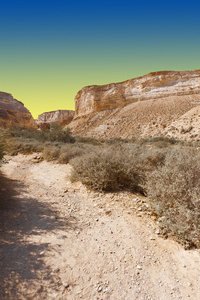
(67, 154)
(24, 146)
(51, 153)
(4, 144)
(173, 190)
(107, 169)
(55, 133)
(88, 140)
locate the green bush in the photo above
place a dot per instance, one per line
(173, 190)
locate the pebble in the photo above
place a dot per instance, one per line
(65, 284)
(139, 267)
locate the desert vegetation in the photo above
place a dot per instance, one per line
(166, 171)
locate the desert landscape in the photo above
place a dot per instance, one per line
(103, 202)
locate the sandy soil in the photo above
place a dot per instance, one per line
(61, 241)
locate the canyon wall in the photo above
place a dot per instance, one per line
(151, 86)
(13, 113)
(61, 117)
(139, 107)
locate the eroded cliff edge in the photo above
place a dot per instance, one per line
(139, 107)
(13, 113)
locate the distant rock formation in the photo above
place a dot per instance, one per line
(139, 107)
(13, 113)
(61, 117)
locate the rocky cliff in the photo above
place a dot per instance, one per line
(61, 117)
(13, 113)
(139, 107)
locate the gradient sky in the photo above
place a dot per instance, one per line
(49, 50)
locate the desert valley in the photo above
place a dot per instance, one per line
(103, 202)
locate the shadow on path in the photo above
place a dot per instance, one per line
(20, 260)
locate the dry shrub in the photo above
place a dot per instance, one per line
(51, 153)
(173, 190)
(108, 169)
(4, 145)
(24, 147)
(71, 151)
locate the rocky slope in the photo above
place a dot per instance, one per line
(187, 127)
(139, 107)
(61, 117)
(13, 113)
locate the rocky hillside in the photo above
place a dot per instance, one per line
(61, 117)
(139, 107)
(13, 113)
(187, 127)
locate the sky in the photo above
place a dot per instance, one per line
(49, 50)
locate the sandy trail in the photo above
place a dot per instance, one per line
(61, 241)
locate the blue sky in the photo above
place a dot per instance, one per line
(51, 49)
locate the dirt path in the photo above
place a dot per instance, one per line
(60, 241)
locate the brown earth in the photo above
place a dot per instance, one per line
(61, 241)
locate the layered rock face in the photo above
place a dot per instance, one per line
(13, 113)
(140, 107)
(61, 117)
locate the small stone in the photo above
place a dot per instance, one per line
(139, 267)
(152, 238)
(99, 289)
(56, 270)
(65, 284)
